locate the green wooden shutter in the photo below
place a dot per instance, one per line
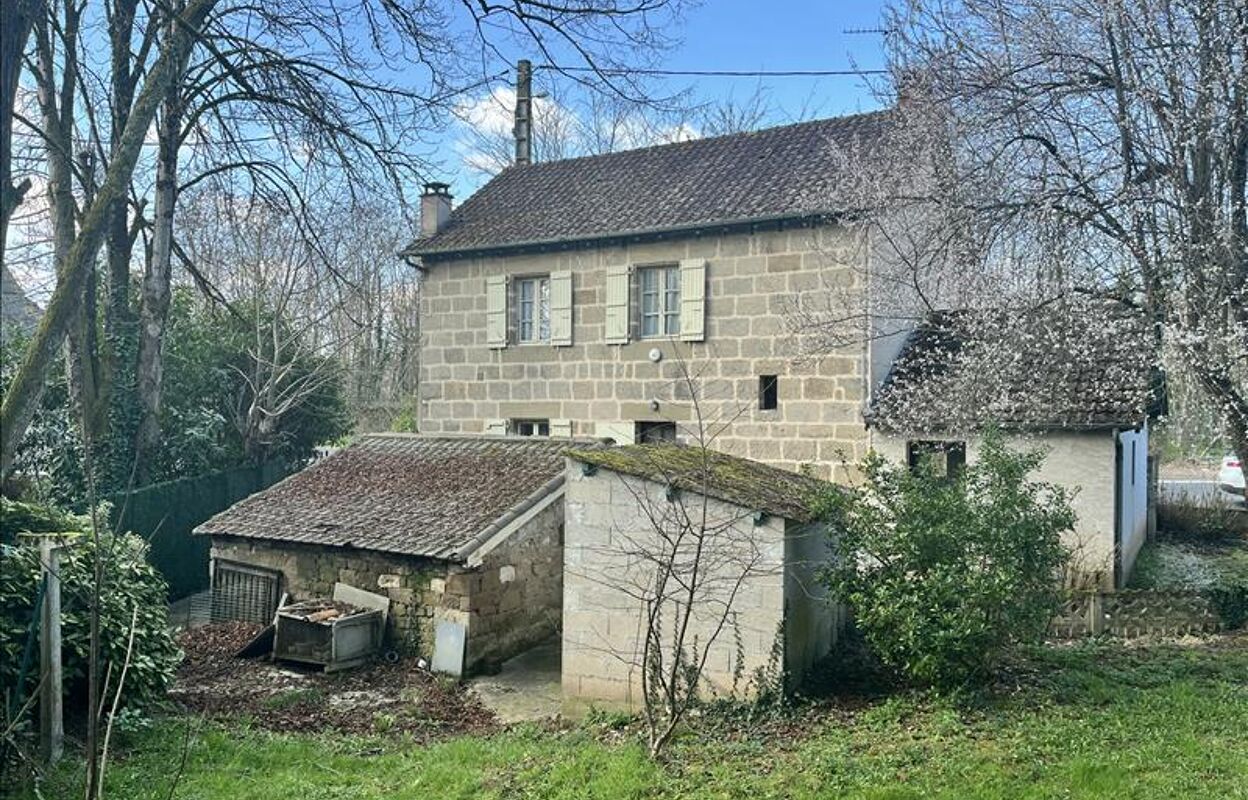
(617, 305)
(561, 308)
(693, 300)
(496, 311)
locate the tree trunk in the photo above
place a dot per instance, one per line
(19, 19)
(154, 308)
(119, 320)
(23, 393)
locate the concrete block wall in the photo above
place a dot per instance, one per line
(603, 620)
(752, 283)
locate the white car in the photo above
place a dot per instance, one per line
(1231, 476)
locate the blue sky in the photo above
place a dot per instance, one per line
(784, 35)
(736, 35)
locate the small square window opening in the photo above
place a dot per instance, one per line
(650, 432)
(945, 459)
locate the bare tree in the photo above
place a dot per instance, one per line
(683, 562)
(265, 91)
(1118, 130)
(570, 124)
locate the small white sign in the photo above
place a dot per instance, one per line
(506, 574)
(387, 581)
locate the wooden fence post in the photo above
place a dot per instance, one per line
(1096, 613)
(51, 712)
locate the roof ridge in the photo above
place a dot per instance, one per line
(697, 141)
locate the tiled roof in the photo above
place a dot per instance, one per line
(408, 494)
(777, 173)
(1077, 364)
(749, 484)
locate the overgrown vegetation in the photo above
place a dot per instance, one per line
(943, 573)
(1092, 720)
(1201, 520)
(131, 583)
(209, 358)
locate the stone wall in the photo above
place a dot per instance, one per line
(603, 618)
(310, 571)
(512, 600)
(752, 281)
(508, 601)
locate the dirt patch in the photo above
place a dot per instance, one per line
(377, 698)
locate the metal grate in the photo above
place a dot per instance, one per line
(243, 592)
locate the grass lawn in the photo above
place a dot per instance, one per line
(1092, 720)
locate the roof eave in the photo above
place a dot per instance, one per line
(1024, 427)
(717, 227)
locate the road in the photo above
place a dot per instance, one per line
(1195, 491)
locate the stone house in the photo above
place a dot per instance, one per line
(1074, 379)
(452, 529)
(565, 298)
(759, 604)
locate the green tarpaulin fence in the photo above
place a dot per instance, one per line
(166, 513)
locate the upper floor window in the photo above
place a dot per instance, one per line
(660, 301)
(533, 309)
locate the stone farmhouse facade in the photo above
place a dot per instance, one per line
(581, 319)
(569, 298)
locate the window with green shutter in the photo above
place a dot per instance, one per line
(658, 301)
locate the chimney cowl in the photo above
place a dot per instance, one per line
(435, 208)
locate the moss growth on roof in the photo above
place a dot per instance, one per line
(749, 484)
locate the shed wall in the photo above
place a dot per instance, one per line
(508, 602)
(310, 571)
(1082, 462)
(604, 620)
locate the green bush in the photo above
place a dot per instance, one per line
(943, 574)
(129, 582)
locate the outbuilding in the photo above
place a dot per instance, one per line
(463, 534)
(737, 540)
(1074, 378)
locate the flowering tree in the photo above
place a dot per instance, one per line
(1050, 148)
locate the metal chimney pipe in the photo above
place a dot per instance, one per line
(523, 130)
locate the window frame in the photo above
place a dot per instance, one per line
(516, 427)
(539, 308)
(953, 453)
(666, 295)
(644, 429)
(768, 392)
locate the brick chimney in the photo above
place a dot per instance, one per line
(435, 208)
(523, 130)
